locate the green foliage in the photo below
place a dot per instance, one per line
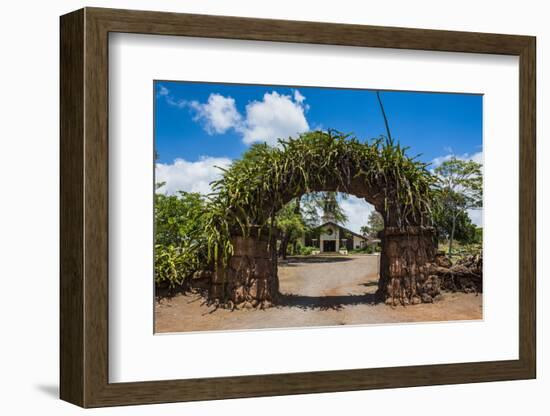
(311, 203)
(309, 209)
(289, 220)
(178, 218)
(171, 265)
(255, 188)
(464, 232)
(328, 203)
(290, 225)
(180, 240)
(459, 187)
(368, 249)
(478, 238)
(307, 250)
(375, 224)
(464, 179)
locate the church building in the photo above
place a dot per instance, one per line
(332, 237)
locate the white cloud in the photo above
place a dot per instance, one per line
(169, 98)
(176, 103)
(183, 175)
(476, 157)
(163, 90)
(438, 161)
(219, 113)
(276, 116)
(298, 97)
(357, 211)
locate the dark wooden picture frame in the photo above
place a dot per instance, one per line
(84, 207)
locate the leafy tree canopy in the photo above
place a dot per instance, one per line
(459, 187)
(180, 239)
(374, 225)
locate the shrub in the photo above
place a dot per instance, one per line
(181, 246)
(170, 266)
(307, 250)
(369, 249)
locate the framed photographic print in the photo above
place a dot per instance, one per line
(255, 207)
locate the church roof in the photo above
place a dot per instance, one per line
(342, 228)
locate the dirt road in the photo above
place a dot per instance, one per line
(316, 291)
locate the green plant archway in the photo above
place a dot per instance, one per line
(250, 193)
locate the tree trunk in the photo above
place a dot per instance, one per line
(284, 247)
(452, 236)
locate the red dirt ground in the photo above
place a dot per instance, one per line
(317, 291)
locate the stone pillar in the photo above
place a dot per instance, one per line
(405, 265)
(250, 277)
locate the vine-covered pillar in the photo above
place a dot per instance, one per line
(405, 265)
(249, 279)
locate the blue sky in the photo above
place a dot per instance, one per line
(202, 125)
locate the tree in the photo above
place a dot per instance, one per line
(178, 218)
(313, 203)
(181, 246)
(375, 224)
(465, 230)
(290, 224)
(309, 210)
(459, 188)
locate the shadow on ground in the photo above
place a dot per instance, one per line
(291, 261)
(370, 284)
(325, 302)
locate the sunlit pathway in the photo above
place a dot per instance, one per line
(329, 275)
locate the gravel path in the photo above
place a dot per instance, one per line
(316, 291)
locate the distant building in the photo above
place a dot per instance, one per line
(334, 238)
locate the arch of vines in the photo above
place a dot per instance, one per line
(241, 235)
